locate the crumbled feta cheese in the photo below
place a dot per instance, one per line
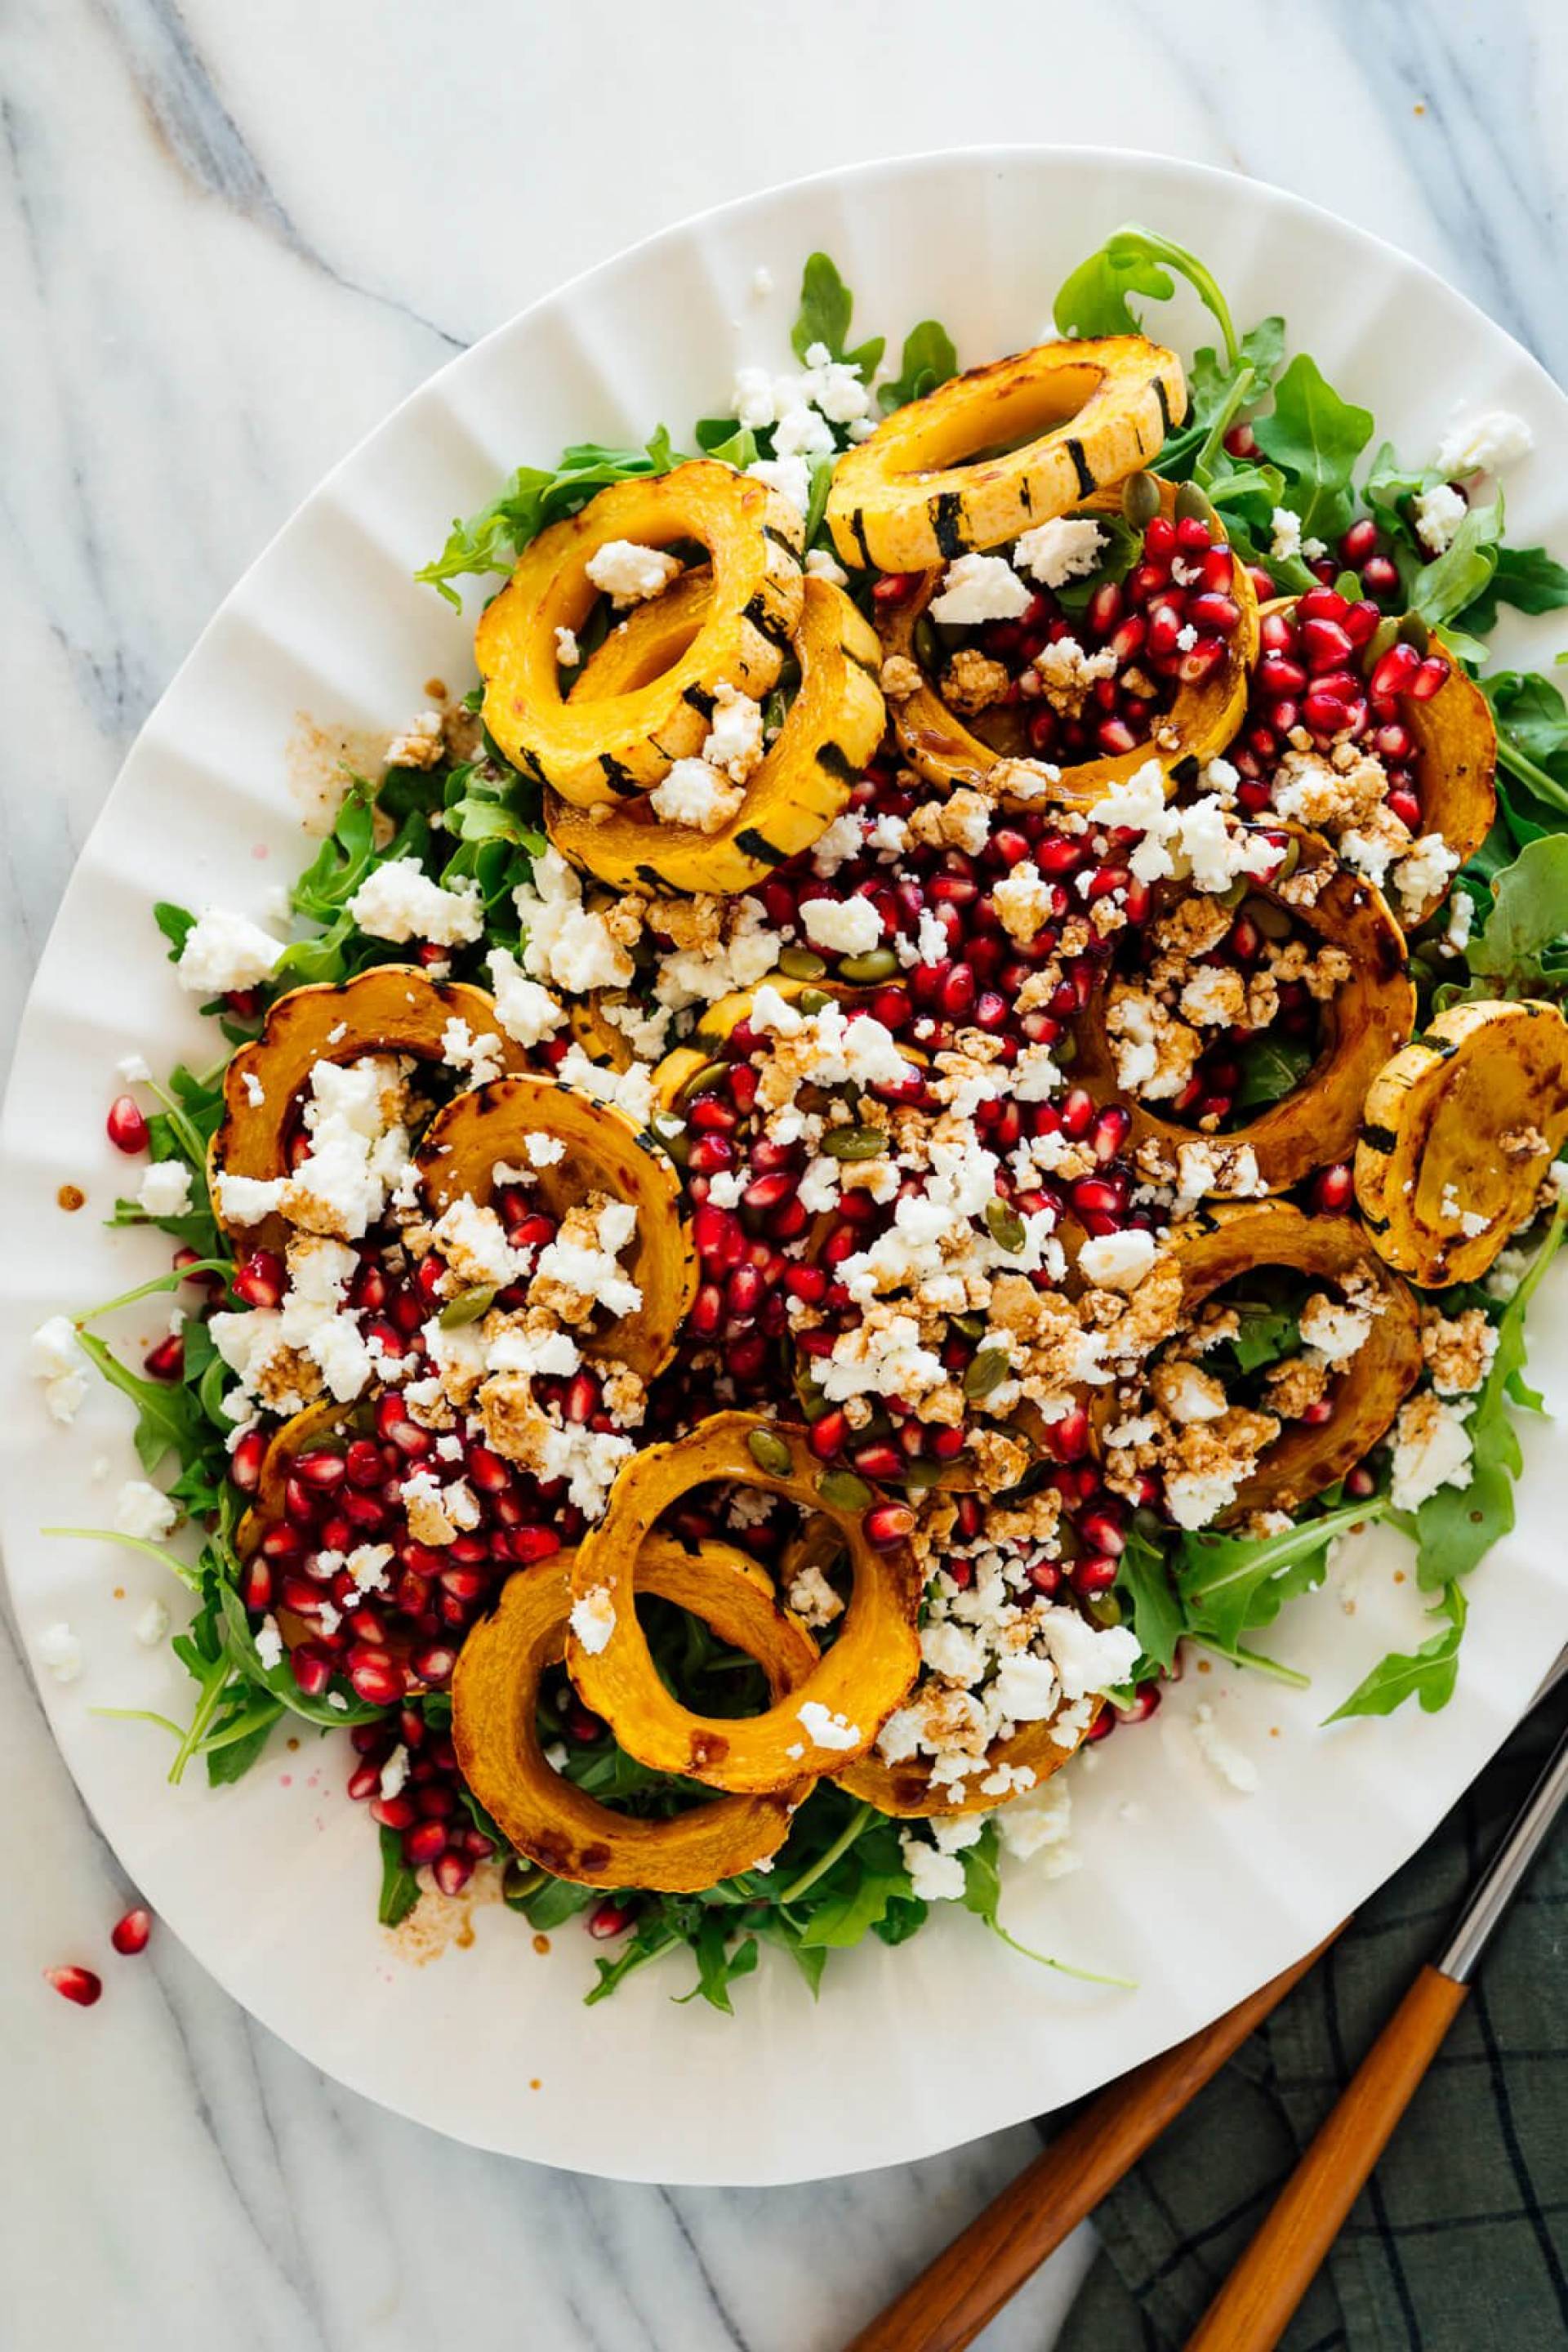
(821, 565)
(394, 1773)
(735, 742)
(1287, 530)
(1431, 1449)
(842, 925)
(255, 1092)
(980, 588)
(934, 1877)
(696, 795)
(629, 572)
(1437, 514)
(827, 1729)
(223, 951)
(133, 1069)
(153, 1624)
(563, 940)
(527, 1012)
(60, 1651)
(1485, 444)
(1422, 874)
(482, 1057)
(1224, 1760)
(144, 1511)
(1116, 1261)
(165, 1189)
(269, 1644)
(1334, 1329)
(568, 653)
(1066, 548)
(399, 901)
(594, 1619)
(56, 1358)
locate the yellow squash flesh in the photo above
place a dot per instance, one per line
(1068, 419)
(832, 728)
(495, 1694)
(1463, 1123)
(594, 753)
(463, 1145)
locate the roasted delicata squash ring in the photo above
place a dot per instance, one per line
(1221, 1243)
(1369, 1017)
(674, 1074)
(598, 1036)
(594, 752)
(392, 1009)
(1456, 757)
(495, 1694)
(1067, 417)
(1200, 722)
(302, 1432)
(1462, 1125)
(905, 1790)
(463, 1144)
(832, 728)
(851, 1692)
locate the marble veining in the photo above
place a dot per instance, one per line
(229, 240)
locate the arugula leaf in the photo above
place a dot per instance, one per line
(719, 1963)
(1528, 916)
(1532, 741)
(492, 540)
(930, 360)
(1263, 1335)
(1092, 300)
(1233, 1584)
(1440, 590)
(827, 307)
(1458, 1526)
(1525, 577)
(652, 1935)
(1427, 1674)
(1272, 1068)
(1315, 438)
(176, 923)
(168, 1418)
(845, 1918)
(399, 1887)
(1158, 1620)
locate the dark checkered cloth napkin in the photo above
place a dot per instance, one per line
(1459, 2243)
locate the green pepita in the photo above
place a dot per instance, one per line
(1193, 505)
(918, 1476)
(1385, 635)
(812, 1000)
(468, 1307)
(770, 1452)
(928, 644)
(520, 1880)
(703, 1081)
(880, 963)
(985, 1371)
(800, 963)
(1272, 920)
(1140, 500)
(855, 1143)
(1006, 1227)
(1414, 631)
(1105, 1609)
(844, 1490)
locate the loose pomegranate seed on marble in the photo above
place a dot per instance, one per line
(126, 1126)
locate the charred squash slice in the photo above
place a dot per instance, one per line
(1066, 417)
(849, 1695)
(1200, 722)
(391, 1009)
(1456, 763)
(1220, 1244)
(461, 1147)
(594, 752)
(1371, 1015)
(495, 1694)
(833, 726)
(1460, 1126)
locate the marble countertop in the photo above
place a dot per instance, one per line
(229, 241)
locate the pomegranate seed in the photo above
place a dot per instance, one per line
(1241, 442)
(435, 1664)
(1406, 808)
(256, 1583)
(770, 1191)
(75, 1984)
(809, 1283)
(825, 1436)
(1111, 1132)
(707, 1310)
(1361, 622)
(129, 1934)
(166, 1361)
(1068, 1438)
(1359, 543)
(888, 1524)
(1323, 713)
(453, 1872)
(1277, 633)
(609, 1918)
(1324, 643)
(1214, 611)
(245, 1461)
(1394, 673)
(1143, 1704)
(312, 1667)
(1320, 604)
(528, 1544)
(364, 1782)
(709, 1154)
(1046, 1577)
(1095, 1574)
(1379, 575)
(1429, 679)
(423, 1842)
(394, 1428)
(1076, 1113)
(747, 1356)
(125, 1126)
(1192, 536)
(1279, 677)
(743, 1291)
(1332, 1190)
(1102, 1533)
(261, 1279)
(1360, 1483)
(320, 1468)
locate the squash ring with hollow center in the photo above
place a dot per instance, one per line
(594, 753)
(495, 1693)
(1078, 414)
(1462, 1126)
(489, 1126)
(824, 1723)
(832, 728)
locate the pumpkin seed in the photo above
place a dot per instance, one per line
(855, 1143)
(1272, 920)
(1233, 892)
(801, 964)
(520, 1880)
(1193, 505)
(928, 644)
(1288, 863)
(702, 1081)
(1414, 631)
(770, 1452)
(468, 1307)
(971, 1326)
(1006, 1227)
(919, 1476)
(675, 1142)
(812, 1000)
(844, 1490)
(986, 1369)
(1140, 500)
(1385, 635)
(1064, 1053)
(881, 963)
(1105, 1609)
